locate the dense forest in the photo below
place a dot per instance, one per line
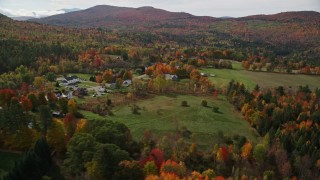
(66, 130)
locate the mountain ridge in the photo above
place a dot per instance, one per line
(287, 16)
(106, 15)
(114, 16)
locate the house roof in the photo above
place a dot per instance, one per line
(127, 81)
(69, 78)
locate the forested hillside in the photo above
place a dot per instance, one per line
(290, 35)
(143, 93)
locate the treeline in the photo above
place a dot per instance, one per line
(289, 121)
(15, 53)
(257, 63)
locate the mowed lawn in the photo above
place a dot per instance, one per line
(263, 79)
(7, 162)
(164, 114)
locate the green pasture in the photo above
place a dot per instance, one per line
(263, 79)
(164, 115)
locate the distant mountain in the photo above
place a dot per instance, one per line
(288, 16)
(42, 14)
(3, 16)
(70, 10)
(112, 16)
(225, 17)
(22, 18)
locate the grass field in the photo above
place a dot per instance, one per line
(82, 76)
(164, 114)
(264, 79)
(7, 162)
(224, 76)
(92, 116)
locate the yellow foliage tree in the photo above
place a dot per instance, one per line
(81, 125)
(72, 106)
(25, 139)
(94, 170)
(152, 177)
(56, 136)
(246, 150)
(39, 82)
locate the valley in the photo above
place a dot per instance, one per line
(143, 93)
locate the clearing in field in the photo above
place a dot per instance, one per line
(263, 79)
(163, 115)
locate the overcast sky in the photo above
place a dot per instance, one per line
(215, 8)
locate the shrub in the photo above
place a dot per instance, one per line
(215, 109)
(92, 79)
(78, 115)
(204, 103)
(184, 104)
(109, 102)
(209, 173)
(57, 84)
(186, 133)
(135, 109)
(150, 168)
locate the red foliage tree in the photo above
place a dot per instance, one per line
(69, 123)
(99, 79)
(24, 88)
(156, 155)
(6, 95)
(26, 103)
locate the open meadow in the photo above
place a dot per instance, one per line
(263, 79)
(164, 115)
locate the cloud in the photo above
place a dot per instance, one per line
(214, 8)
(29, 13)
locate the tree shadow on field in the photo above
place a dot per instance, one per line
(171, 95)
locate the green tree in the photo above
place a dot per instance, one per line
(259, 153)
(150, 168)
(34, 101)
(63, 104)
(129, 170)
(57, 84)
(80, 151)
(112, 133)
(42, 98)
(25, 75)
(14, 118)
(35, 164)
(45, 118)
(108, 156)
(50, 76)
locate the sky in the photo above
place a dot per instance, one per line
(215, 8)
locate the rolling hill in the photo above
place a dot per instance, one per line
(112, 16)
(299, 16)
(294, 35)
(288, 35)
(105, 16)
